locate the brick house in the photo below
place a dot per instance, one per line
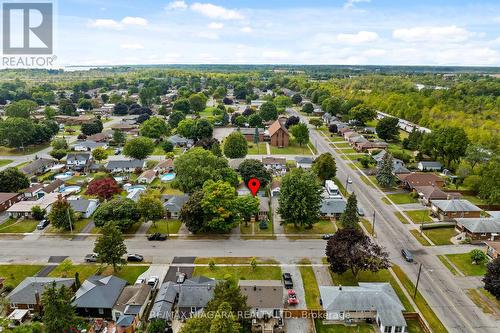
(278, 134)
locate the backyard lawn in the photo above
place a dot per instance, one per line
(240, 272)
(165, 227)
(419, 216)
(321, 227)
(401, 198)
(339, 328)
(14, 274)
(463, 262)
(441, 236)
(18, 226)
(254, 149)
(292, 149)
(310, 286)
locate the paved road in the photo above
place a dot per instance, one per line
(457, 312)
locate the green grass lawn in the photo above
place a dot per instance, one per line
(84, 271)
(339, 328)
(401, 198)
(420, 301)
(77, 227)
(5, 151)
(422, 240)
(345, 151)
(347, 279)
(419, 216)
(233, 260)
(254, 149)
(401, 218)
(18, 226)
(474, 199)
(5, 162)
(128, 273)
(320, 227)
(441, 236)
(165, 227)
(445, 262)
(292, 149)
(342, 145)
(463, 262)
(367, 224)
(310, 287)
(240, 272)
(14, 274)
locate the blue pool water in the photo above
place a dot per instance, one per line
(133, 187)
(70, 189)
(167, 177)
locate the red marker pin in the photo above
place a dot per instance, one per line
(254, 185)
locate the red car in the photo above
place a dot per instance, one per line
(292, 298)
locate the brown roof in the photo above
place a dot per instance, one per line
(148, 174)
(273, 160)
(7, 196)
(33, 188)
(52, 186)
(263, 294)
(275, 127)
(494, 245)
(275, 184)
(344, 130)
(98, 137)
(434, 193)
(168, 163)
(133, 295)
(420, 179)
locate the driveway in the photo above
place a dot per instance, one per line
(155, 270)
(298, 285)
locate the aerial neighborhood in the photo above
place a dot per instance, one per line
(159, 200)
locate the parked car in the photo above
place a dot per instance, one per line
(135, 257)
(327, 236)
(181, 277)
(42, 224)
(349, 180)
(292, 297)
(361, 212)
(157, 237)
(287, 280)
(92, 257)
(153, 281)
(118, 151)
(140, 281)
(407, 255)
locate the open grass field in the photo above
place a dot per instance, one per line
(463, 262)
(441, 236)
(14, 274)
(257, 149)
(165, 227)
(5, 151)
(292, 149)
(401, 198)
(18, 226)
(240, 272)
(320, 227)
(419, 216)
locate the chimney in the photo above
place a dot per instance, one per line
(37, 301)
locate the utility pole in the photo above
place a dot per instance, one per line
(373, 227)
(418, 279)
(346, 184)
(69, 219)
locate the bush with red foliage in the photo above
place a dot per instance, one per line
(104, 188)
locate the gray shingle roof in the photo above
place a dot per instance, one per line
(81, 205)
(36, 165)
(125, 164)
(430, 164)
(175, 203)
(25, 292)
(480, 225)
(194, 294)
(177, 139)
(164, 301)
(99, 292)
(366, 297)
(333, 206)
(78, 157)
(455, 205)
(304, 159)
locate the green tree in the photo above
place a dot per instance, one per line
(13, 180)
(197, 102)
(255, 120)
(187, 128)
(85, 104)
(387, 128)
(219, 206)
(58, 313)
(300, 198)
(110, 246)
(61, 215)
(118, 137)
(203, 129)
(235, 145)
(251, 168)
(121, 210)
(157, 326)
(192, 214)
(227, 291)
(66, 107)
(492, 278)
(175, 118)
(38, 213)
(150, 207)
(385, 177)
(349, 218)
(308, 108)
(182, 105)
(59, 143)
(49, 112)
(147, 95)
(296, 99)
(316, 122)
(99, 154)
(224, 320)
(155, 128)
(324, 167)
(58, 154)
(139, 148)
(20, 109)
(477, 257)
(475, 154)
(489, 187)
(248, 206)
(216, 149)
(167, 146)
(450, 143)
(362, 113)
(268, 111)
(301, 133)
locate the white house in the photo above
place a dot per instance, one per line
(147, 177)
(78, 160)
(86, 207)
(116, 166)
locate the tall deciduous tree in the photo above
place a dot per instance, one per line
(150, 207)
(99, 154)
(362, 113)
(349, 218)
(248, 206)
(175, 118)
(300, 198)
(155, 128)
(450, 143)
(139, 148)
(105, 188)
(385, 177)
(268, 111)
(197, 102)
(254, 169)
(58, 313)
(308, 108)
(350, 249)
(120, 210)
(387, 128)
(324, 167)
(192, 214)
(110, 246)
(13, 180)
(235, 145)
(118, 137)
(301, 133)
(492, 278)
(61, 215)
(219, 206)
(20, 109)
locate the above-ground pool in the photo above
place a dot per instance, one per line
(133, 187)
(70, 189)
(167, 177)
(64, 176)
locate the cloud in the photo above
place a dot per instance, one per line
(450, 33)
(176, 5)
(246, 30)
(351, 3)
(132, 46)
(216, 12)
(358, 38)
(207, 35)
(275, 54)
(216, 26)
(112, 24)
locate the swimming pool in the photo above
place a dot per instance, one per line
(134, 187)
(167, 177)
(70, 189)
(64, 176)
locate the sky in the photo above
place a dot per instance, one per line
(359, 32)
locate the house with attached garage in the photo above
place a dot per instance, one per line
(165, 166)
(88, 145)
(78, 161)
(431, 192)
(38, 166)
(147, 177)
(411, 180)
(480, 229)
(8, 199)
(180, 141)
(24, 208)
(449, 210)
(117, 166)
(173, 205)
(85, 207)
(377, 302)
(266, 299)
(194, 295)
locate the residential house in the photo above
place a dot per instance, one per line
(411, 180)
(275, 188)
(165, 166)
(429, 193)
(88, 145)
(328, 118)
(78, 161)
(164, 301)
(54, 187)
(147, 177)
(8, 199)
(23, 208)
(38, 166)
(101, 137)
(350, 134)
(85, 207)
(263, 214)
(127, 128)
(479, 229)
(342, 131)
(130, 307)
(27, 295)
(33, 192)
(242, 189)
(135, 193)
(332, 207)
(449, 210)
(367, 301)
(368, 146)
(398, 165)
(493, 249)
(174, 204)
(117, 166)
(304, 162)
(275, 164)
(97, 296)
(429, 166)
(265, 298)
(72, 120)
(194, 295)
(249, 133)
(180, 141)
(278, 134)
